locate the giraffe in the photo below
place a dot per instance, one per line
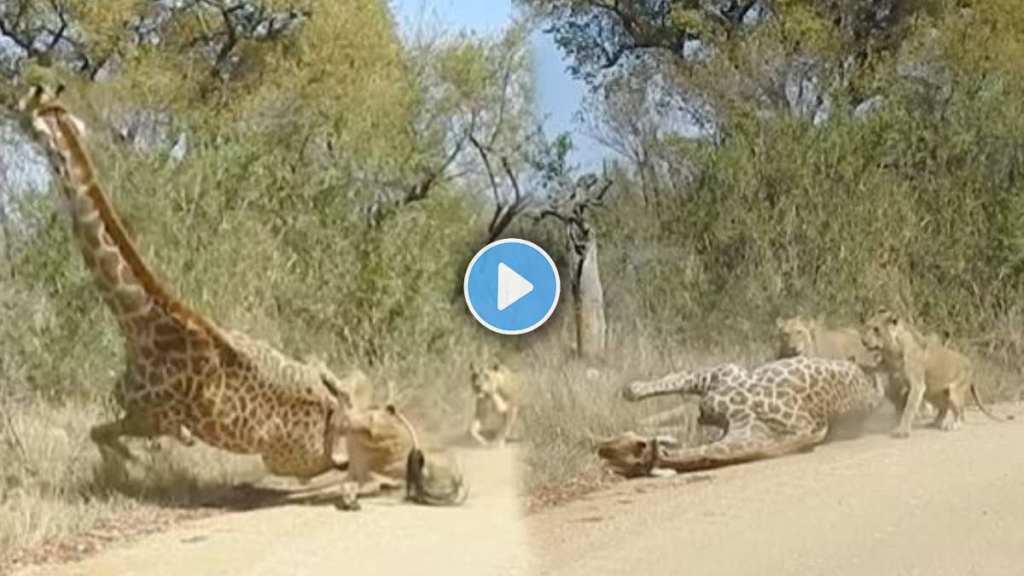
(186, 377)
(778, 408)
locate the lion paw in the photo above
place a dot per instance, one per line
(900, 433)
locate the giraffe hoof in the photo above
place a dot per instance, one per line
(349, 506)
(901, 434)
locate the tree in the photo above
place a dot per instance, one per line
(570, 201)
(639, 117)
(472, 100)
(572, 209)
(89, 36)
(734, 56)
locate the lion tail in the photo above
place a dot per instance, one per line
(983, 408)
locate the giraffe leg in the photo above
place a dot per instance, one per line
(668, 417)
(335, 440)
(185, 436)
(740, 446)
(352, 490)
(381, 483)
(349, 496)
(668, 426)
(135, 425)
(181, 434)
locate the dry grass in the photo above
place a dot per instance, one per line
(54, 485)
(568, 403)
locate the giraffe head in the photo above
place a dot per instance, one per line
(42, 106)
(58, 131)
(39, 95)
(630, 454)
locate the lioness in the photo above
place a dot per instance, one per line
(799, 336)
(925, 366)
(496, 403)
(383, 449)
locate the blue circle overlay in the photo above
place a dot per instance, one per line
(525, 260)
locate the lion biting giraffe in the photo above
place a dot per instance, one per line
(185, 376)
(778, 408)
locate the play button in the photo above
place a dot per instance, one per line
(511, 286)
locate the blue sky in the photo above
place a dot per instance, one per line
(559, 95)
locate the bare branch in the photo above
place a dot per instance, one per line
(512, 178)
(550, 213)
(506, 83)
(482, 151)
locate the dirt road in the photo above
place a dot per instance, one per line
(387, 538)
(937, 504)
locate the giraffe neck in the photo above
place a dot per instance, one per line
(128, 287)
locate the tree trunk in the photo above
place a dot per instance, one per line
(5, 237)
(588, 299)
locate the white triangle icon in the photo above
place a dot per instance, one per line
(511, 286)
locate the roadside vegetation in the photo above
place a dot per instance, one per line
(297, 170)
(848, 155)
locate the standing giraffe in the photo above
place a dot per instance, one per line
(185, 376)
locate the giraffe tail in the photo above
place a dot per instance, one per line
(696, 382)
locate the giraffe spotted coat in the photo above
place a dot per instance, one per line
(777, 408)
(185, 376)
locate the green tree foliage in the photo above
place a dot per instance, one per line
(916, 205)
(740, 56)
(337, 181)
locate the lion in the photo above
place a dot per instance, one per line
(383, 450)
(496, 391)
(799, 336)
(922, 367)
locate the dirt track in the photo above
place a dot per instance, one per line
(938, 504)
(386, 538)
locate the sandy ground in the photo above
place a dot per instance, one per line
(485, 536)
(937, 504)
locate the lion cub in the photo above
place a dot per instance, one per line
(496, 403)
